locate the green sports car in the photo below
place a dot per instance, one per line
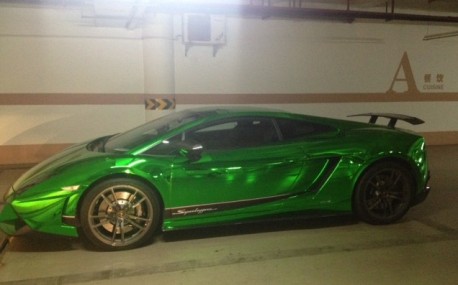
(211, 166)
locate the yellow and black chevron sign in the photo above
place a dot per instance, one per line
(159, 104)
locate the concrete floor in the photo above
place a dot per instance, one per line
(421, 249)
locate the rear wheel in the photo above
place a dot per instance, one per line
(119, 214)
(384, 193)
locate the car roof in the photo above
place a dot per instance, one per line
(342, 124)
(235, 110)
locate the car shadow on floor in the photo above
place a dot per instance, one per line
(40, 242)
(255, 227)
(31, 241)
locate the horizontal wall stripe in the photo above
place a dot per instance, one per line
(311, 98)
(27, 154)
(13, 155)
(441, 138)
(70, 99)
(185, 99)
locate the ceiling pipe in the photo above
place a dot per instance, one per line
(296, 12)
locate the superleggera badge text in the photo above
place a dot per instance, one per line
(195, 211)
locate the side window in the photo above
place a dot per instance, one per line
(227, 134)
(235, 133)
(295, 129)
(218, 128)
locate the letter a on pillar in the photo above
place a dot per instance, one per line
(408, 78)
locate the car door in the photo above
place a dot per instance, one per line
(244, 163)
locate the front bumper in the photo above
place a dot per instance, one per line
(45, 215)
(10, 222)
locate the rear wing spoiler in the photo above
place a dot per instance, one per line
(393, 118)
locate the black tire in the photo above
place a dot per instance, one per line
(384, 193)
(119, 214)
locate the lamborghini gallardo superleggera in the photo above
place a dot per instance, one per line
(213, 166)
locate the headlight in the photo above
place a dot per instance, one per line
(25, 182)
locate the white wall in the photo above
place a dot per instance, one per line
(47, 51)
(54, 50)
(315, 57)
(286, 56)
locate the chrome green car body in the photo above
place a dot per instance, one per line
(315, 172)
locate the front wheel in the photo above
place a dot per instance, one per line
(119, 214)
(384, 193)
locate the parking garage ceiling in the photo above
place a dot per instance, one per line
(290, 8)
(129, 13)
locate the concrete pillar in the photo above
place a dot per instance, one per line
(158, 59)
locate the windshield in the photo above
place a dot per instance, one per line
(146, 133)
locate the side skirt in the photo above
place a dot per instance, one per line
(308, 215)
(179, 212)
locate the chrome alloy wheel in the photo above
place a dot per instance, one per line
(120, 215)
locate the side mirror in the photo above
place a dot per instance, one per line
(192, 151)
